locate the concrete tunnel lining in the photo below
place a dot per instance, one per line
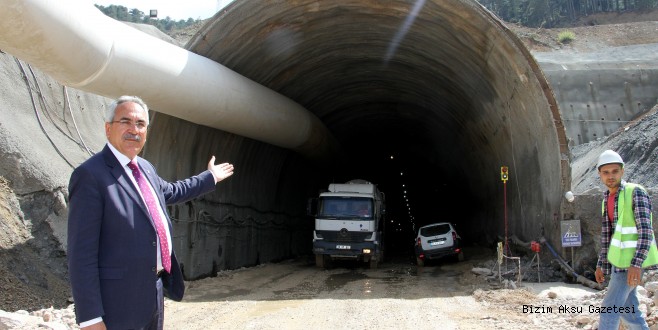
(459, 98)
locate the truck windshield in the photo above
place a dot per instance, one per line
(346, 208)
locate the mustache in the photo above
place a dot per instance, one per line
(134, 137)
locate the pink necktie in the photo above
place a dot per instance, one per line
(155, 214)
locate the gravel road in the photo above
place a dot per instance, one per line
(296, 295)
(398, 295)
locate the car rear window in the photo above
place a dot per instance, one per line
(435, 230)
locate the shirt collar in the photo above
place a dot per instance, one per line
(123, 159)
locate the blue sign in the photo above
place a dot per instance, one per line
(570, 230)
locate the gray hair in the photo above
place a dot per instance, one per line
(110, 112)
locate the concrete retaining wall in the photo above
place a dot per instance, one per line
(601, 91)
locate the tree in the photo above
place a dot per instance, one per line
(134, 15)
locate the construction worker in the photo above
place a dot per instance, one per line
(627, 244)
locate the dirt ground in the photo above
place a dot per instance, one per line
(294, 294)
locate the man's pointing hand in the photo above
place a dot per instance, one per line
(220, 171)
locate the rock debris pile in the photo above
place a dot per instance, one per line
(553, 310)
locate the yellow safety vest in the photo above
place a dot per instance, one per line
(624, 237)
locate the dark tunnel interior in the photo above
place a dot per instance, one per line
(407, 166)
(407, 151)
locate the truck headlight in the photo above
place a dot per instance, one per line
(366, 251)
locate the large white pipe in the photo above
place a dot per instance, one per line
(79, 46)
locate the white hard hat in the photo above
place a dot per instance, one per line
(609, 157)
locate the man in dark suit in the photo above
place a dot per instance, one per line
(121, 262)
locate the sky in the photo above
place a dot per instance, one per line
(176, 9)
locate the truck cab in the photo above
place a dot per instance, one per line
(349, 221)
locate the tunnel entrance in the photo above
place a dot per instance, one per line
(444, 88)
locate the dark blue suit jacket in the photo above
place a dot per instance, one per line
(112, 242)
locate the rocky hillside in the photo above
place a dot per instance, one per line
(594, 32)
(636, 143)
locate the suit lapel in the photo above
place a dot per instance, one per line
(123, 180)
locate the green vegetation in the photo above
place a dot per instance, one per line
(134, 15)
(566, 37)
(552, 13)
(530, 13)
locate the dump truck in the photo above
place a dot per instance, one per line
(349, 223)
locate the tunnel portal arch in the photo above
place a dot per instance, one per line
(432, 95)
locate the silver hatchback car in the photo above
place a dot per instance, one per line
(437, 240)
